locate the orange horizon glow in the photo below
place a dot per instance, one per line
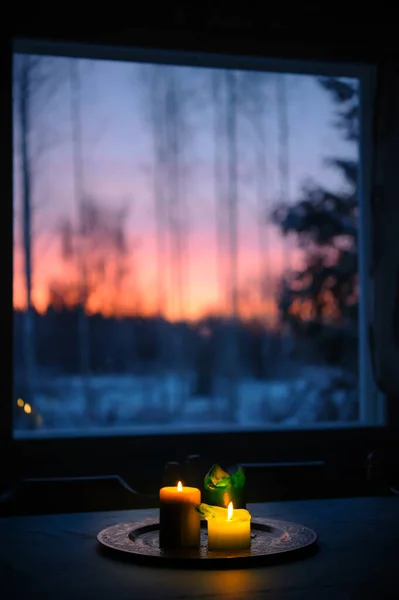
(198, 310)
(202, 299)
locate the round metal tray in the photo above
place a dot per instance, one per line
(271, 540)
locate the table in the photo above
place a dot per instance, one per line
(55, 557)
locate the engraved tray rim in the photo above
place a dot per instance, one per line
(117, 539)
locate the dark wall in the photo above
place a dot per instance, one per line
(317, 30)
(322, 31)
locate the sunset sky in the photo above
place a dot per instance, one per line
(118, 172)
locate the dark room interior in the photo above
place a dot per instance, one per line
(200, 225)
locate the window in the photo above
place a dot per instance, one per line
(187, 250)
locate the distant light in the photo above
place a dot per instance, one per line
(20, 402)
(27, 408)
(39, 420)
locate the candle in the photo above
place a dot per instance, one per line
(228, 529)
(221, 488)
(179, 522)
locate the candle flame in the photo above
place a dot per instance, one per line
(179, 486)
(230, 511)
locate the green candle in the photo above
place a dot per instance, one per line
(220, 488)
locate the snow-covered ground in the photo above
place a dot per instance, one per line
(165, 403)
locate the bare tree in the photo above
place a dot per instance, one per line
(283, 157)
(101, 239)
(98, 244)
(284, 166)
(158, 138)
(166, 104)
(226, 98)
(255, 106)
(220, 174)
(232, 231)
(175, 120)
(231, 129)
(78, 176)
(34, 82)
(173, 186)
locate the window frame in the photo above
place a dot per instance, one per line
(52, 456)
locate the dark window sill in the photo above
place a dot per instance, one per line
(140, 459)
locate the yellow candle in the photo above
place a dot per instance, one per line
(229, 529)
(179, 522)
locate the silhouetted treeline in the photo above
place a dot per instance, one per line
(136, 344)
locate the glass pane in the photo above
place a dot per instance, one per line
(185, 248)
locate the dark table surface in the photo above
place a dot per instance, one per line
(56, 557)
